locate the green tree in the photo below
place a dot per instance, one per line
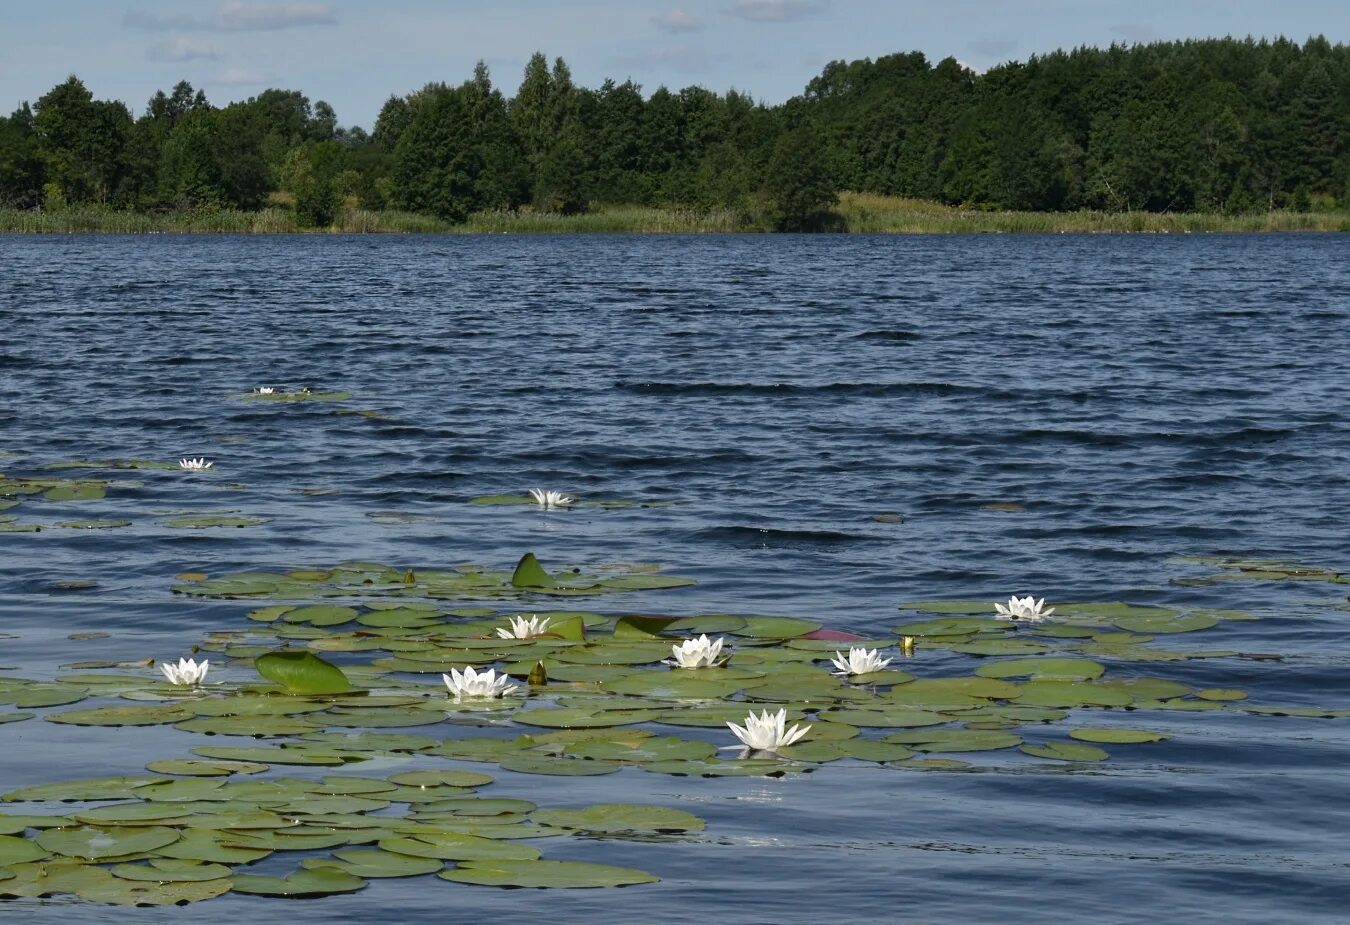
(21, 174)
(797, 186)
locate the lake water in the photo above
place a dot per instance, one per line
(1122, 401)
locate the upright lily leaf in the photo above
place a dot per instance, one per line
(302, 672)
(530, 574)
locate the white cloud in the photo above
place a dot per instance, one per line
(970, 67)
(677, 21)
(238, 16)
(775, 10)
(180, 49)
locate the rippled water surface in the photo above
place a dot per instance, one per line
(1131, 399)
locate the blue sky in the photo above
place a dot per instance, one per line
(354, 53)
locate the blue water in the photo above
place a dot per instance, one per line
(1140, 397)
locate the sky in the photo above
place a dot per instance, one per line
(355, 53)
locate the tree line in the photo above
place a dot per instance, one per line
(1232, 125)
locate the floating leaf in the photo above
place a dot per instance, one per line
(318, 881)
(453, 846)
(302, 672)
(1060, 669)
(1115, 735)
(98, 842)
(371, 863)
(1166, 622)
(530, 574)
(211, 521)
(1066, 751)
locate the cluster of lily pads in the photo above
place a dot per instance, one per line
(364, 664)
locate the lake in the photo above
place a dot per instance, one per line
(824, 428)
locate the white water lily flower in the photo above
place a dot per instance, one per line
(549, 500)
(859, 661)
(187, 672)
(264, 390)
(696, 653)
(194, 464)
(468, 683)
(524, 627)
(764, 733)
(1025, 608)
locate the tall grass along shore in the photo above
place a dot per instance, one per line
(856, 212)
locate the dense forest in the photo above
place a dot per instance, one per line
(1222, 125)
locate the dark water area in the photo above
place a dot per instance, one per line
(1121, 401)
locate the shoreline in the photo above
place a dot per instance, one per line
(857, 213)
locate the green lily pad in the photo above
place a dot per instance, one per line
(76, 491)
(1166, 622)
(92, 524)
(1059, 669)
(530, 574)
(87, 790)
(1066, 751)
(546, 874)
(302, 672)
(453, 846)
(320, 881)
(211, 521)
(620, 818)
(371, 863)
(1115, 736)
(171, 870)
(96, 843)
(15, 850)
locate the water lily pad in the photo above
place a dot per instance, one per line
(648, 749)
(268, 755)
(171, 870)
(372, 863)
(539, 763)
(302, 672)
(95, 843)
(1048, 693)
(1066, 751)
(776, 627)
(954, 626)
(315, 615)
(14, 850)
(1115, 735)
(583, 718)
(76, 491)
(93, 524)
(1166, 622)
(319, 881)
(211, 521)
(546, 874)
(87, 790)
(620, 818)
(51, 877)
(1060, 669)
(1221, 693)
(211, 847)
(453, 846)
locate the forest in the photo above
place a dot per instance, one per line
(1231, 126)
